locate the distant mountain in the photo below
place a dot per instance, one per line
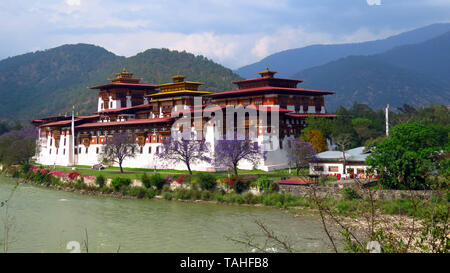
(292, 61)
(49, 82)
(414, 74)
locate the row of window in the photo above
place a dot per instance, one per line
(336, 169)
(97, 150)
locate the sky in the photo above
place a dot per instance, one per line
(233, 33)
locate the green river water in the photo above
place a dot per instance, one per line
(45, 220)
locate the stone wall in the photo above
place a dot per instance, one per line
(335, 191)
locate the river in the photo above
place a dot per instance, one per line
(46, 220)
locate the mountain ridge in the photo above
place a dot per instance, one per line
(291, 61)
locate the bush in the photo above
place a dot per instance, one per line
(182, 194)
(350, 193)
(145, 180)
(157, 181)
(165, 188)
(263, 183)
(167, 195)
(100, 181)
(120, 182)
(206, 195)
(207, 181)
(150, 193)
(241, 186)
(79, 184)
(25, 168)
(138, 192)
(274, 187)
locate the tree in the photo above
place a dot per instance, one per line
(19, 146)
(230, 152)
(317, 140)
(343, 142)
(406, 159)
(300, 154)
(187, 150)
(119, 147)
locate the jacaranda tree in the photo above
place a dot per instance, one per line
(119, 147)
(187, 149)
(229, 152)
(300, 153)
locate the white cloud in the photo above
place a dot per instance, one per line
(73, 2)
(373, 2)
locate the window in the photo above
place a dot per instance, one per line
(76, 151)
(51, 141)
(150, 149)
(318, 168)
(64, 141)
(79, 150)
(86, 150)
(57, 150)
(141, 150)
(350, 170)
(360, 171)
(50, 152)
(157, 149)
(64, 151)
(96, 150)
(318, 105)
(333, 168)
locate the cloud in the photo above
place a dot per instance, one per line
(73, 2)
(373, 2)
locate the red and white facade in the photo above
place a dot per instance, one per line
(148, 111)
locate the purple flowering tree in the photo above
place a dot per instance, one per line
(119, 147)
(229, 152)
(300, 154)
(187, 150)
(18, 146)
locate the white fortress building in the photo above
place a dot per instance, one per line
(270, 110)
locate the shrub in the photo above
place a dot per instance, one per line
(157, 181)
(138, 192)
(350, 193)
(240, 186)
(207, 181)
(120, 182)
(167, 195)
(79, 184)
(25, 168)
(182, 194)
(145, 180)
(263, 183)
(165, 188)
(274, 187)
(150, 193)
(206, 195)
(100, 181)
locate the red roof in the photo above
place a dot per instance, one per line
(132, 85)
(270, 79)
(68, 121)
(299, 115)
(296, 181)
(269, 89)
(128, 122)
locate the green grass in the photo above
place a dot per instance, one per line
(136, 173)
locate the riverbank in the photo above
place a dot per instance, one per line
(348, 204)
